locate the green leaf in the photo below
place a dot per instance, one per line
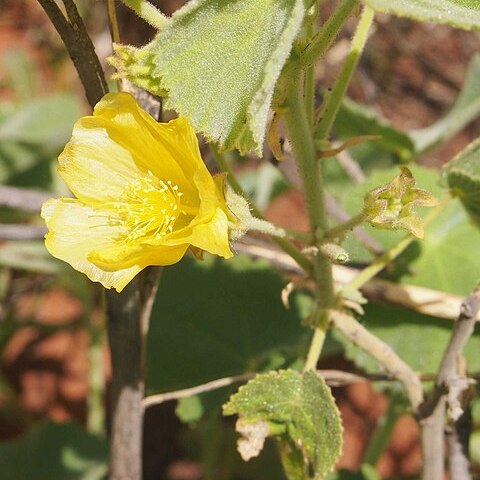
(55, 452)
(213, 319)
(458, 13)
(465, 109)
(418, 339)
(46, 122)
(463, 177)
(219, 61)
(300, 412)
(354, 119)
(450, 244)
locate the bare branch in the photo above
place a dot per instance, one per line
(458, 435)
(449, 391)
(433, 443)
(188, 392)
(422, 300)
(383, 353)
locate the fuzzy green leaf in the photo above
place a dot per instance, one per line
(463, 177)
(219, 62)
(227, 319)
(300, 412)
(458, 13)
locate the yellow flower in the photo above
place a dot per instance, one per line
(144, 195)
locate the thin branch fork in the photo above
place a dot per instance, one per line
(449, 396)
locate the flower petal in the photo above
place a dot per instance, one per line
(73, 229)
(121, 141)
(213, 236)
(123, 256)
(176, 140)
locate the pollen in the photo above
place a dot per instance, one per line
(148, 208)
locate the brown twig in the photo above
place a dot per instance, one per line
(79, 46)
(333, 378)
(128, 314)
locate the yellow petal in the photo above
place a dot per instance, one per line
(74, 228)
(213, 236)
(176, 140)
(211, 196)
(119, 142)
(122, 256)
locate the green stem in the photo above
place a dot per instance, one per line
(381, 262)
(112, 16)
(301, 138)
(325, 37)
(148, 12)
(343, 228)
(316, 345)
(311, 171)
(335, 99)
(286, 245)
(312, 16)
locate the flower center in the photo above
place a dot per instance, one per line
(149, 207)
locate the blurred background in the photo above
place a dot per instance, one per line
(54, 363)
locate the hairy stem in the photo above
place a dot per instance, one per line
(300, 135)
(148, 12)
(311, 18)
(317, 342)
(343, 228)
(327, 34)
(381, 262)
